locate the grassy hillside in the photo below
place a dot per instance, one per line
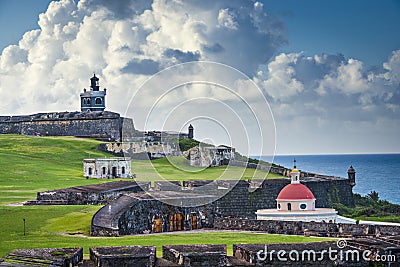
(32, 164)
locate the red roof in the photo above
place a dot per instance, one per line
(295, 192)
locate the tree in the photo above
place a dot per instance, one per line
(374, 196)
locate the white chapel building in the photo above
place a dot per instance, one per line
(117, 167)
(296, 202)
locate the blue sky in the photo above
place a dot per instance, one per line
(329, 69)
(363, 29)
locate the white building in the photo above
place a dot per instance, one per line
(296, 202)
(107, 168)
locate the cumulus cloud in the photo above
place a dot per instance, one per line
(227, 19)
(126, 41)
(325, 97)
(281, 81)
(328, 77)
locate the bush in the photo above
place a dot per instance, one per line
(186, 144)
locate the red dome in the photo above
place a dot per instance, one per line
(295, 192)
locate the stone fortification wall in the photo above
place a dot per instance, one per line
(105, 125)
(278, 170)
(305, 228)
(243, 201)
(323, 253)
(141, 150)
(141, 213)
(90, 194)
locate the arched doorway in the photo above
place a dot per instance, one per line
(176, 222)
(289, 206)
(194, 221)
(157, 224)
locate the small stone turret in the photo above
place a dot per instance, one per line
(351, 174)
(191, 132)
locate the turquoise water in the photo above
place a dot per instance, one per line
(374, 172)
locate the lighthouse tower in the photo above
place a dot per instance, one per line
(93, 99)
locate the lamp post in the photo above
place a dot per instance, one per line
(24, 225)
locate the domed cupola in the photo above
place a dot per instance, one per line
(295, 196)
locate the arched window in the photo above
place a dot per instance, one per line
(289, 206)
(88, 101)
(279, 206)
(99, 101)
(123, 170)
(90, 171)
(84, 101)
(104, 170)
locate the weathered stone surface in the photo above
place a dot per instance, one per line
(105, 125)
(88, 194)
(300, 228)
(142, 149)
(382, 251)
(123, 256)
(196, 255)
(43, 257)
(141, 213)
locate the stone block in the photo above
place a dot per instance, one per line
(144, 256)
(196, 255)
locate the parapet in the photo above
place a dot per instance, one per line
(76, 115)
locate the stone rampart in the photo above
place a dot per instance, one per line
(305, 228)
(324, 253)
(102, 125)
(89, 194)
(140, 150)
(143, 213)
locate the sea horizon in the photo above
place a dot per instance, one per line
(327, 154)
(374, 172)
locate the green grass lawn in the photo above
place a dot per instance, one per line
(176, 168)
(68, 226)
(32, 164)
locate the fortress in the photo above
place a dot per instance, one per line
(91, 121)
(103, 125)
(130, 210)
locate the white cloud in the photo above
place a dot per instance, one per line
(227, 19)
(125, 42)
(393, 68)
(281, 82)
(348, 78)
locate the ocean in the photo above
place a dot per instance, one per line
(374, 172)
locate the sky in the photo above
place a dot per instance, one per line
(329, 70)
